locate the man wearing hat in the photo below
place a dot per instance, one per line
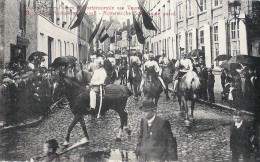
(183, 65)
(155, 141)
(98, 79)
(152, 63)
(92, 66)
(111, 58)
(211, 81)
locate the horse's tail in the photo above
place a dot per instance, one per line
(192, 80)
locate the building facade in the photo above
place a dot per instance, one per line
(182, 24)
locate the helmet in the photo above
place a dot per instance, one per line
(99, 61)
(93, 56)
(151, 55)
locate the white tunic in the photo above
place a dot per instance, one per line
(135, 59)
(98, 77)
(164, 61)
(184, 65)
(153, 63)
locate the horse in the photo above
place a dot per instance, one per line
(187, 90)
(152, 87)
(167, 75)
(123, 71)
(135, 77)
(79, 101)
(111, 73)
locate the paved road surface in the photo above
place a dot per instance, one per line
(208, 139)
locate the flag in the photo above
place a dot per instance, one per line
(107, 31)
(102, 30)
(80, 15)
(139, 31)
(146, 18)
(95, 31)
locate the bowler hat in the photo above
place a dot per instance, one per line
(147, 105)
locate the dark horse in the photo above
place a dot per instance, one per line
(186, 91)
(135, 77)
(111, 73)
(78, 96)
(167, 75)
(152, 85)
(123, 71)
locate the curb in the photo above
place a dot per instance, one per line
(23, 125)
(220, 106)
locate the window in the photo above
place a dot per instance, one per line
(202, 37)
(235, 43)
(179, 45)
(59, 48)
(169, 14)
(201, 40)
(163, 15)
(159, 20)
(190, 41)
(203, 5)
(57, 9)
(215, 42)
(217, 3)
(180, 16)
(190, 8)
(65, 49)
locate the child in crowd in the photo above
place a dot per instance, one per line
(49, 152)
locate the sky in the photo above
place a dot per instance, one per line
(117, 4)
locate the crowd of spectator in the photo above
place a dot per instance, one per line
(25, 93)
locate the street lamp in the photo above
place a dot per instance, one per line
(235, 8)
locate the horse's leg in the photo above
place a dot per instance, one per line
(71, 126)
(179, 100)
(166, 91)
(192, 108)
(136, 91)
(156, 99)
(83, 126)
(120, 109)
(186, 109)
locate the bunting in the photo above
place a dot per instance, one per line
(80, 15)
(148, 21)
(95, 31)
(106, 35)
(139, 32)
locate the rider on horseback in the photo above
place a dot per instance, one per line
(163, 62)
(135, 58)
(92, 65)
(183, 65)
(97, 80)
(112, 60)
(152, 63)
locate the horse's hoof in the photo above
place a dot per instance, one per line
(128, 132)
(66, 143)
(84, 140)
(118, 139)
(187, 123)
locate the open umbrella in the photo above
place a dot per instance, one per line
(227, 65)
(196, 53)
(222, 57)
(63, 61)
(36, 54)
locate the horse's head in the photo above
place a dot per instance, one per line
(151, 73)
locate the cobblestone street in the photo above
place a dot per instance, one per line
(208, 138)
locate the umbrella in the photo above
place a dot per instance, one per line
(222, 57)
(243, 59)
(63, 61)
(196, 53)
(227, 65)
(36, 54)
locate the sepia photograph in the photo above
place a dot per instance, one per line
(129, 80)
